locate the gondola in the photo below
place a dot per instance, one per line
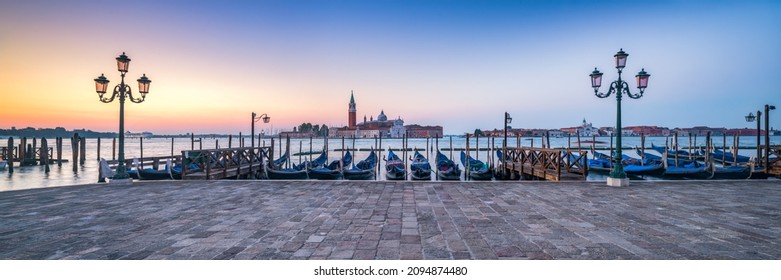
(478, 170)
(363, 170)
(275, 171)
(684, 169)
(446, 168)
(681, 153)
(155, 174)
(420, 168)
(394, 167)
(732, 172)
(332, 171)
(602, 163)
(728, 158)
(176, 171)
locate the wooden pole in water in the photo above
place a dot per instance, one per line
(45, 155)
(75, 151)
(22, 153)
(689, 149)
(642, 146)
(310, 148)
(32, 151)
(192, 141)
(230, 141)
(379, 156)
(172, 146)
(300, 145)
(477, 146)
(59, 150)
(83, 153)
(98, 158)
(491, 151)
(676, 148)
(271, 151)
(216, 143)
(547, 139)
(241, 140)
(436, 141)
(141, 149)
(736, 145)
(724, 148)
(466, 160)
(10, 155)
(342, 148)
(451, 148)
(404, 152)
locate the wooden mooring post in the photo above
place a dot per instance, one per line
(83, 152)
(59, 150)
(45, 155)
(98, 157)
(10, 155)
(75, 151)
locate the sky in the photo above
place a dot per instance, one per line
(458, 64)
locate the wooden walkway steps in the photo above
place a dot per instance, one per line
(547, 164)
(242, 162)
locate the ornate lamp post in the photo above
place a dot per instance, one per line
(507, 120)
(617, 176)
(751, 118)
(256, 118)
(122, 91)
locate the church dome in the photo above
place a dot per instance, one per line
(382, 116)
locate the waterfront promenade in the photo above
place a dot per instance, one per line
(394, 220)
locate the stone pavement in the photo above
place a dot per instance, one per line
(394, 220)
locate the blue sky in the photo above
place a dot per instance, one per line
(459, 64)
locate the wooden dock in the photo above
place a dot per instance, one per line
(546, 164)
(241, 162)
(774, 165)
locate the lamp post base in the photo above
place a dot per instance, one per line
(120, 182)
(617, 182)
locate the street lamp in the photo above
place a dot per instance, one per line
(256, 118)
(122, 91)
(617, 176)
(507, 120)
(751, 118)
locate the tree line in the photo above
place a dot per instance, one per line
(54, 132)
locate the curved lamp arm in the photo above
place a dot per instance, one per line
(610, 91)
(105, 99)
(633, 96)
(129, 93)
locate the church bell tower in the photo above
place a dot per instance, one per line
(351, 112)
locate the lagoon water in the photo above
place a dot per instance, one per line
(35, 177)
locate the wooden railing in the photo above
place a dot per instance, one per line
(224, 163)
(548, 164)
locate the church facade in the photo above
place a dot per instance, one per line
(373, 127)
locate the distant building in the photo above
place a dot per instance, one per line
(380, 127)
(145, 134)
(649, 130)
(417, 131)
(584, 130)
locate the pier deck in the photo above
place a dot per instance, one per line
(394, 220)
